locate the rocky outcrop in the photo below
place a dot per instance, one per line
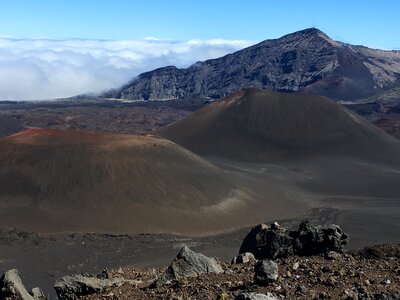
(188, 264)
(311, 240)
(74, 286)
(304, 61)
(265, 271)
(11, 287)
(274, 241)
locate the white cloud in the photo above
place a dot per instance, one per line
(45, 68)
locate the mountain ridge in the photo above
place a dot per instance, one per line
(306, 61)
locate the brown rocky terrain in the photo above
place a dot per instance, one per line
(347, 276)
(94, 115)
(326, 272)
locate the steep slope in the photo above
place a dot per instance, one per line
(390, 121)
(389, 96)
(52, 180)
(381, 109)
(305, 61)
(257, 125)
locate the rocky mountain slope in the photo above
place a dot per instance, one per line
(306, 61)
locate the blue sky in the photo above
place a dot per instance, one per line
(374, 23)
(60, 48)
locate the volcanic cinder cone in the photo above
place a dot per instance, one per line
(258, 125)
(53, 180)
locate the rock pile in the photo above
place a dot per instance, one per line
(274, 241)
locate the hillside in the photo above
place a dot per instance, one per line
(62, 180)
(387, 97)
(257, 125)
(305, 61)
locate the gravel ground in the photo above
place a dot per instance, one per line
(373, 273)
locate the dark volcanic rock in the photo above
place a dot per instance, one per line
(304, 61)
(274, 241)
(188, 264)
(11, 287)
(311, 240)
(74, 286)
(268, 242)
(265, 271)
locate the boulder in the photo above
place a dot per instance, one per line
(188, 264)
(74, 286)
(11, 287)
(243, 258)
(255, 296)
(265, 271)
(312, 240)
(37, 294)
(268, 242)
(274, 241)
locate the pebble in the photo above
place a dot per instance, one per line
(302, 289)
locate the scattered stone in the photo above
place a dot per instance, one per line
(105, 274)
(188, 264)
(74, 286)
(323, 296)
(326, 269)
(11, 287)
(332, 255)
(265, 271)
(243, 258)
(295, 266)
(302, 289)
(381, 251)
(275, 241)
(255, 296)
(330, 281)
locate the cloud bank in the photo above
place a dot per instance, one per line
(33, 69)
